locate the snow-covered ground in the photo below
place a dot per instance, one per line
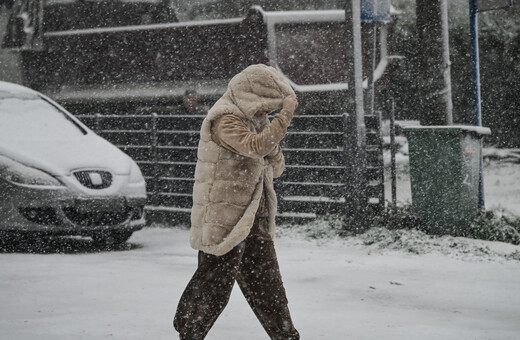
(382, 285)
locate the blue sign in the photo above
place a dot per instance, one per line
(375, 10)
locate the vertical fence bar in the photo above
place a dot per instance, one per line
(155, 160)
(97, 123)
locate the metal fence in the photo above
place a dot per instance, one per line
(165, 147)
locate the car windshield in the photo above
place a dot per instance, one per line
(30, 117)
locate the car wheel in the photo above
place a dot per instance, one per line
(111, 238)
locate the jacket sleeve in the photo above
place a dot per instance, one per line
(277, 161)
(234, 135)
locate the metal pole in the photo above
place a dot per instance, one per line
(393, 173)
(475, 63)
(475, 68)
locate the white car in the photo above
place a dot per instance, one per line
(57, 177)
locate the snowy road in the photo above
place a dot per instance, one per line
(337, 290)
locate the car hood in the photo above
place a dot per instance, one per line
(60, 157)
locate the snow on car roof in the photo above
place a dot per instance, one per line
(10, 90)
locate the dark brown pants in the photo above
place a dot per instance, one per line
(253, 264)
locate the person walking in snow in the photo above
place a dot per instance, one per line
(234, 206)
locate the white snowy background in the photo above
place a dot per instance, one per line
(381, 285)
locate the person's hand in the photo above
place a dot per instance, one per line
(290, 103)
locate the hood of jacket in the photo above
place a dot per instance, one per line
(257, 88)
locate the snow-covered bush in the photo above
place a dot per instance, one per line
(489, 226)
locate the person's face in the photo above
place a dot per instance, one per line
(190, 101)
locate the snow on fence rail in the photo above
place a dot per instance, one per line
(165, 147)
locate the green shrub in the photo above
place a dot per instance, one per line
(398, 217)
(487, 226)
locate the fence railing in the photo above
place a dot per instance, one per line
(165, 148)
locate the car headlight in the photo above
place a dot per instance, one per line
(15, 172)
(136, 176)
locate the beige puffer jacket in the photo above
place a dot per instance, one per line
(228, 185)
